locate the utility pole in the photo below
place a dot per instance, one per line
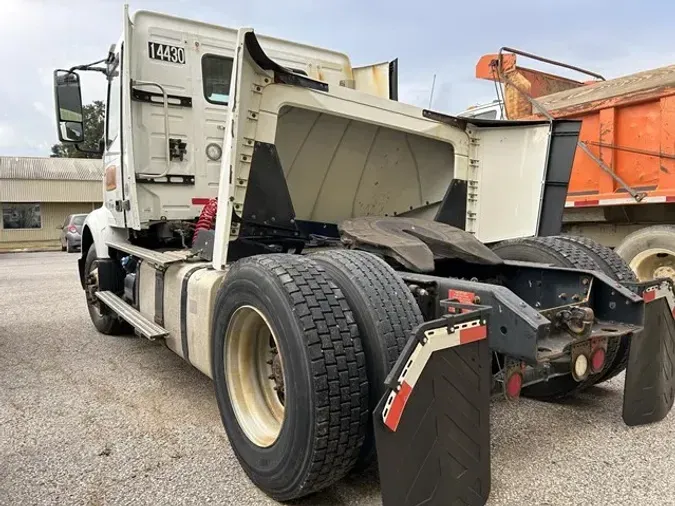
(431, 95)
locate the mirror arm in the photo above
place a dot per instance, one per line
(90, 66)
(86, 68)
(88, 151)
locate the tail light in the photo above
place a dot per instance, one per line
(72, 228)
(514, 383)
(597, 360)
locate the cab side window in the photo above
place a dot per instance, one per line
(216, 76)
(112, 117)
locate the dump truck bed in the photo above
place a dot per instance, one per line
(648, 85)
(628, 124)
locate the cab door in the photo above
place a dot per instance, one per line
(113, 180)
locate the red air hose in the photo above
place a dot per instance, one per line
(207, 218)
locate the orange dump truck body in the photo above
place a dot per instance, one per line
(628, 123)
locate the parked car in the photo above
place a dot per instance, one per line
(71, 238)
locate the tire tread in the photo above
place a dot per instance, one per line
(387, 302)
(337, 366)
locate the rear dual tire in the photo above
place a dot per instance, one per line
(340, 320)
(325, 403)
(385, 312)
(579, 253)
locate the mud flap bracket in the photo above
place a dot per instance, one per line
(432, 427)
(649, 389)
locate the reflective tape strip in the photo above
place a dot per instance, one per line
(619, 201)
(395, 409)
(437, 339)
(662, 290)
(472, 334)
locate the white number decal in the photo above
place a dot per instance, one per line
(165, 52)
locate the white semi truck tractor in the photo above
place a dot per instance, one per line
(333, 259)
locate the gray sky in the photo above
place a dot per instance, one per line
(613, 37)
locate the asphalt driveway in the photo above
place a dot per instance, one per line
(91, 419)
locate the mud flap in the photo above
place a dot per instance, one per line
(649, 389)
(432, 427)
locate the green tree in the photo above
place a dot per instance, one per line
(94, 120)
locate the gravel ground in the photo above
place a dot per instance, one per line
(91, 419)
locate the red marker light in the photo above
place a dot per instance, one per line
(597, 360)
(513, 385)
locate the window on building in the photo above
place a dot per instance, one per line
(216, 76)
(21, 216)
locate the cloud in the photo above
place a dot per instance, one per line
(8, 136)
(40, 107)
(442, 38)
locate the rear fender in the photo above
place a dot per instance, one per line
(97, 230)
(649, 389)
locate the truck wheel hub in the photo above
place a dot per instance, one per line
(278, 376)
(92, 288)
(654, 263)
(254, 375)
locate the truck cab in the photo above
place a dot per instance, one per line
(168, 99)
(492, 110)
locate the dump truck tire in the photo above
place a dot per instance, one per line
(385, 312)
(289, 374)
(105, 321)
(616, 268)
(650, 252)
(560, 253)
